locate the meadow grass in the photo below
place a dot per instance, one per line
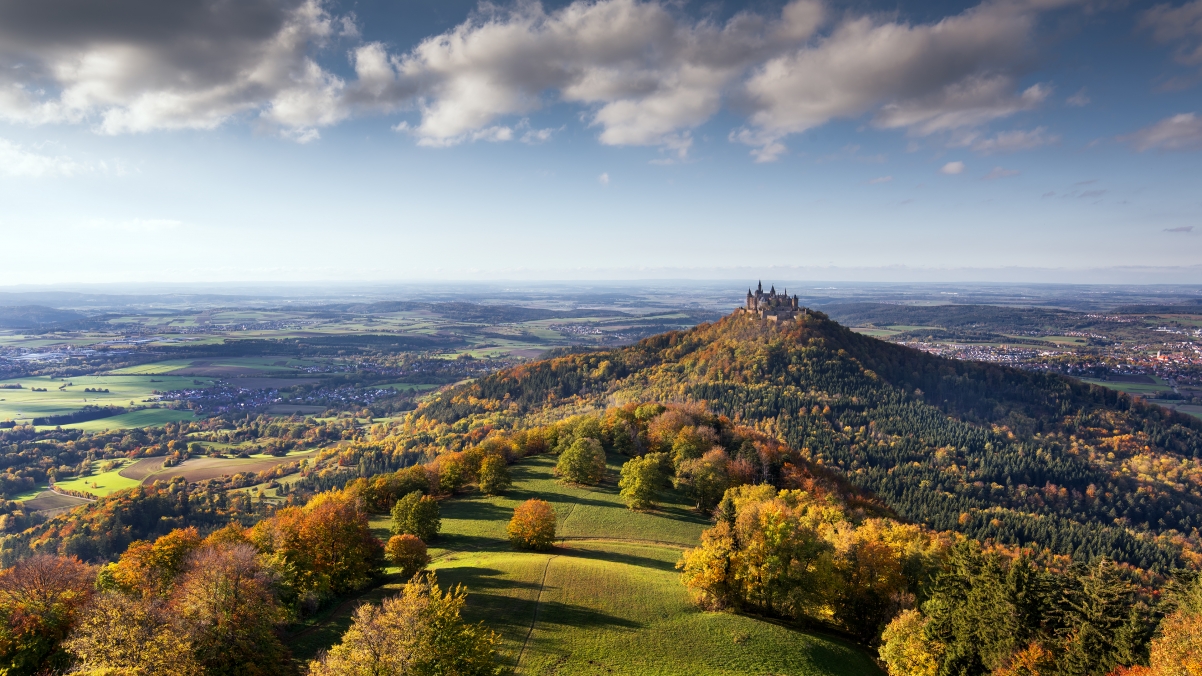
(606, 600)
(25, 404)
(147, 417)
(153, 368)
(100, 484)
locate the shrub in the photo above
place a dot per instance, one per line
(494, 475)
(408, 553)
(582, 463)
(533, 525)
(416, 514)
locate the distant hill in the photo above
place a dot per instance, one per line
(994, 317)
(35, 316)
(993, 452)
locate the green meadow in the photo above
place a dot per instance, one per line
(101, 483)
(147, 417)
(67, 395)
(606, 600)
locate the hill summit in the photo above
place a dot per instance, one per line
(998, 454)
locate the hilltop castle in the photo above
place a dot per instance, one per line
(772, 306)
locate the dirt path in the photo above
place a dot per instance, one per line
(538, 604)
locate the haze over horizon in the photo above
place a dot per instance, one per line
(1049, 141)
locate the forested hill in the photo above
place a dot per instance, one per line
(993, 452)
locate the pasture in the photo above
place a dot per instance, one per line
(606, 600)
(64, 395)
(147, 417)
(101, 483)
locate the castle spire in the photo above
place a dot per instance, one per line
(759, 287)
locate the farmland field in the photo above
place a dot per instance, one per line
(66, 395)
(49, 501)
(606, 600)
(147, 417)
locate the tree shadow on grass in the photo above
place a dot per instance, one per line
(479, 579)
(579, 617)
(561, 498)
(472, 543)
(475, 510)
(617, 557)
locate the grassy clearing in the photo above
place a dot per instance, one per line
(100, 484)
(1141, 389)
(876, 333)
(607, 600)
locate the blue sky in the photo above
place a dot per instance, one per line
(1021, 140)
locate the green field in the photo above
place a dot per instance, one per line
(1141, 389)
(154, 368)
(147, 417)
(100, 484)
(25, 404)
(607, 600)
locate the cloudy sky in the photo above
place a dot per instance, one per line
(221, 140)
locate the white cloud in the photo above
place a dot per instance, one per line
(952, 168)
(15, 161)
(1180, 25)
(646, 73)
(880, 179)
(1012, 141)
(1001, 172)
(603, 179)
(536, 136)
(958, 72)
(187, 64)
(1179, 132)
(1079, 99)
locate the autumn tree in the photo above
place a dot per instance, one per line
(642, 480)
(151, 567)
(533, 525)
(419, 631)
(905, 649)
(132, 636)
(226, 602)
(416, 514)
(320, 550)
(494, 475)
(582, 463)
(408, 553)
(40, 600)
(704, 479)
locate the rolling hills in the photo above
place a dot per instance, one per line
(996, 453)
(607, 599)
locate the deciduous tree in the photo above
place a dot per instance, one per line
(642, 480)
(417, 632)
(494, 475)
(416, 514)
(582, 463)
(408, 553)
(533, 525)
(40, 600)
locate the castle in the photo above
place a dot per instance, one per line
(773, 306)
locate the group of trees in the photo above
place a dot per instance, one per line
(997, 454)
(187, 605)
(800, 554)
(1008, 615)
